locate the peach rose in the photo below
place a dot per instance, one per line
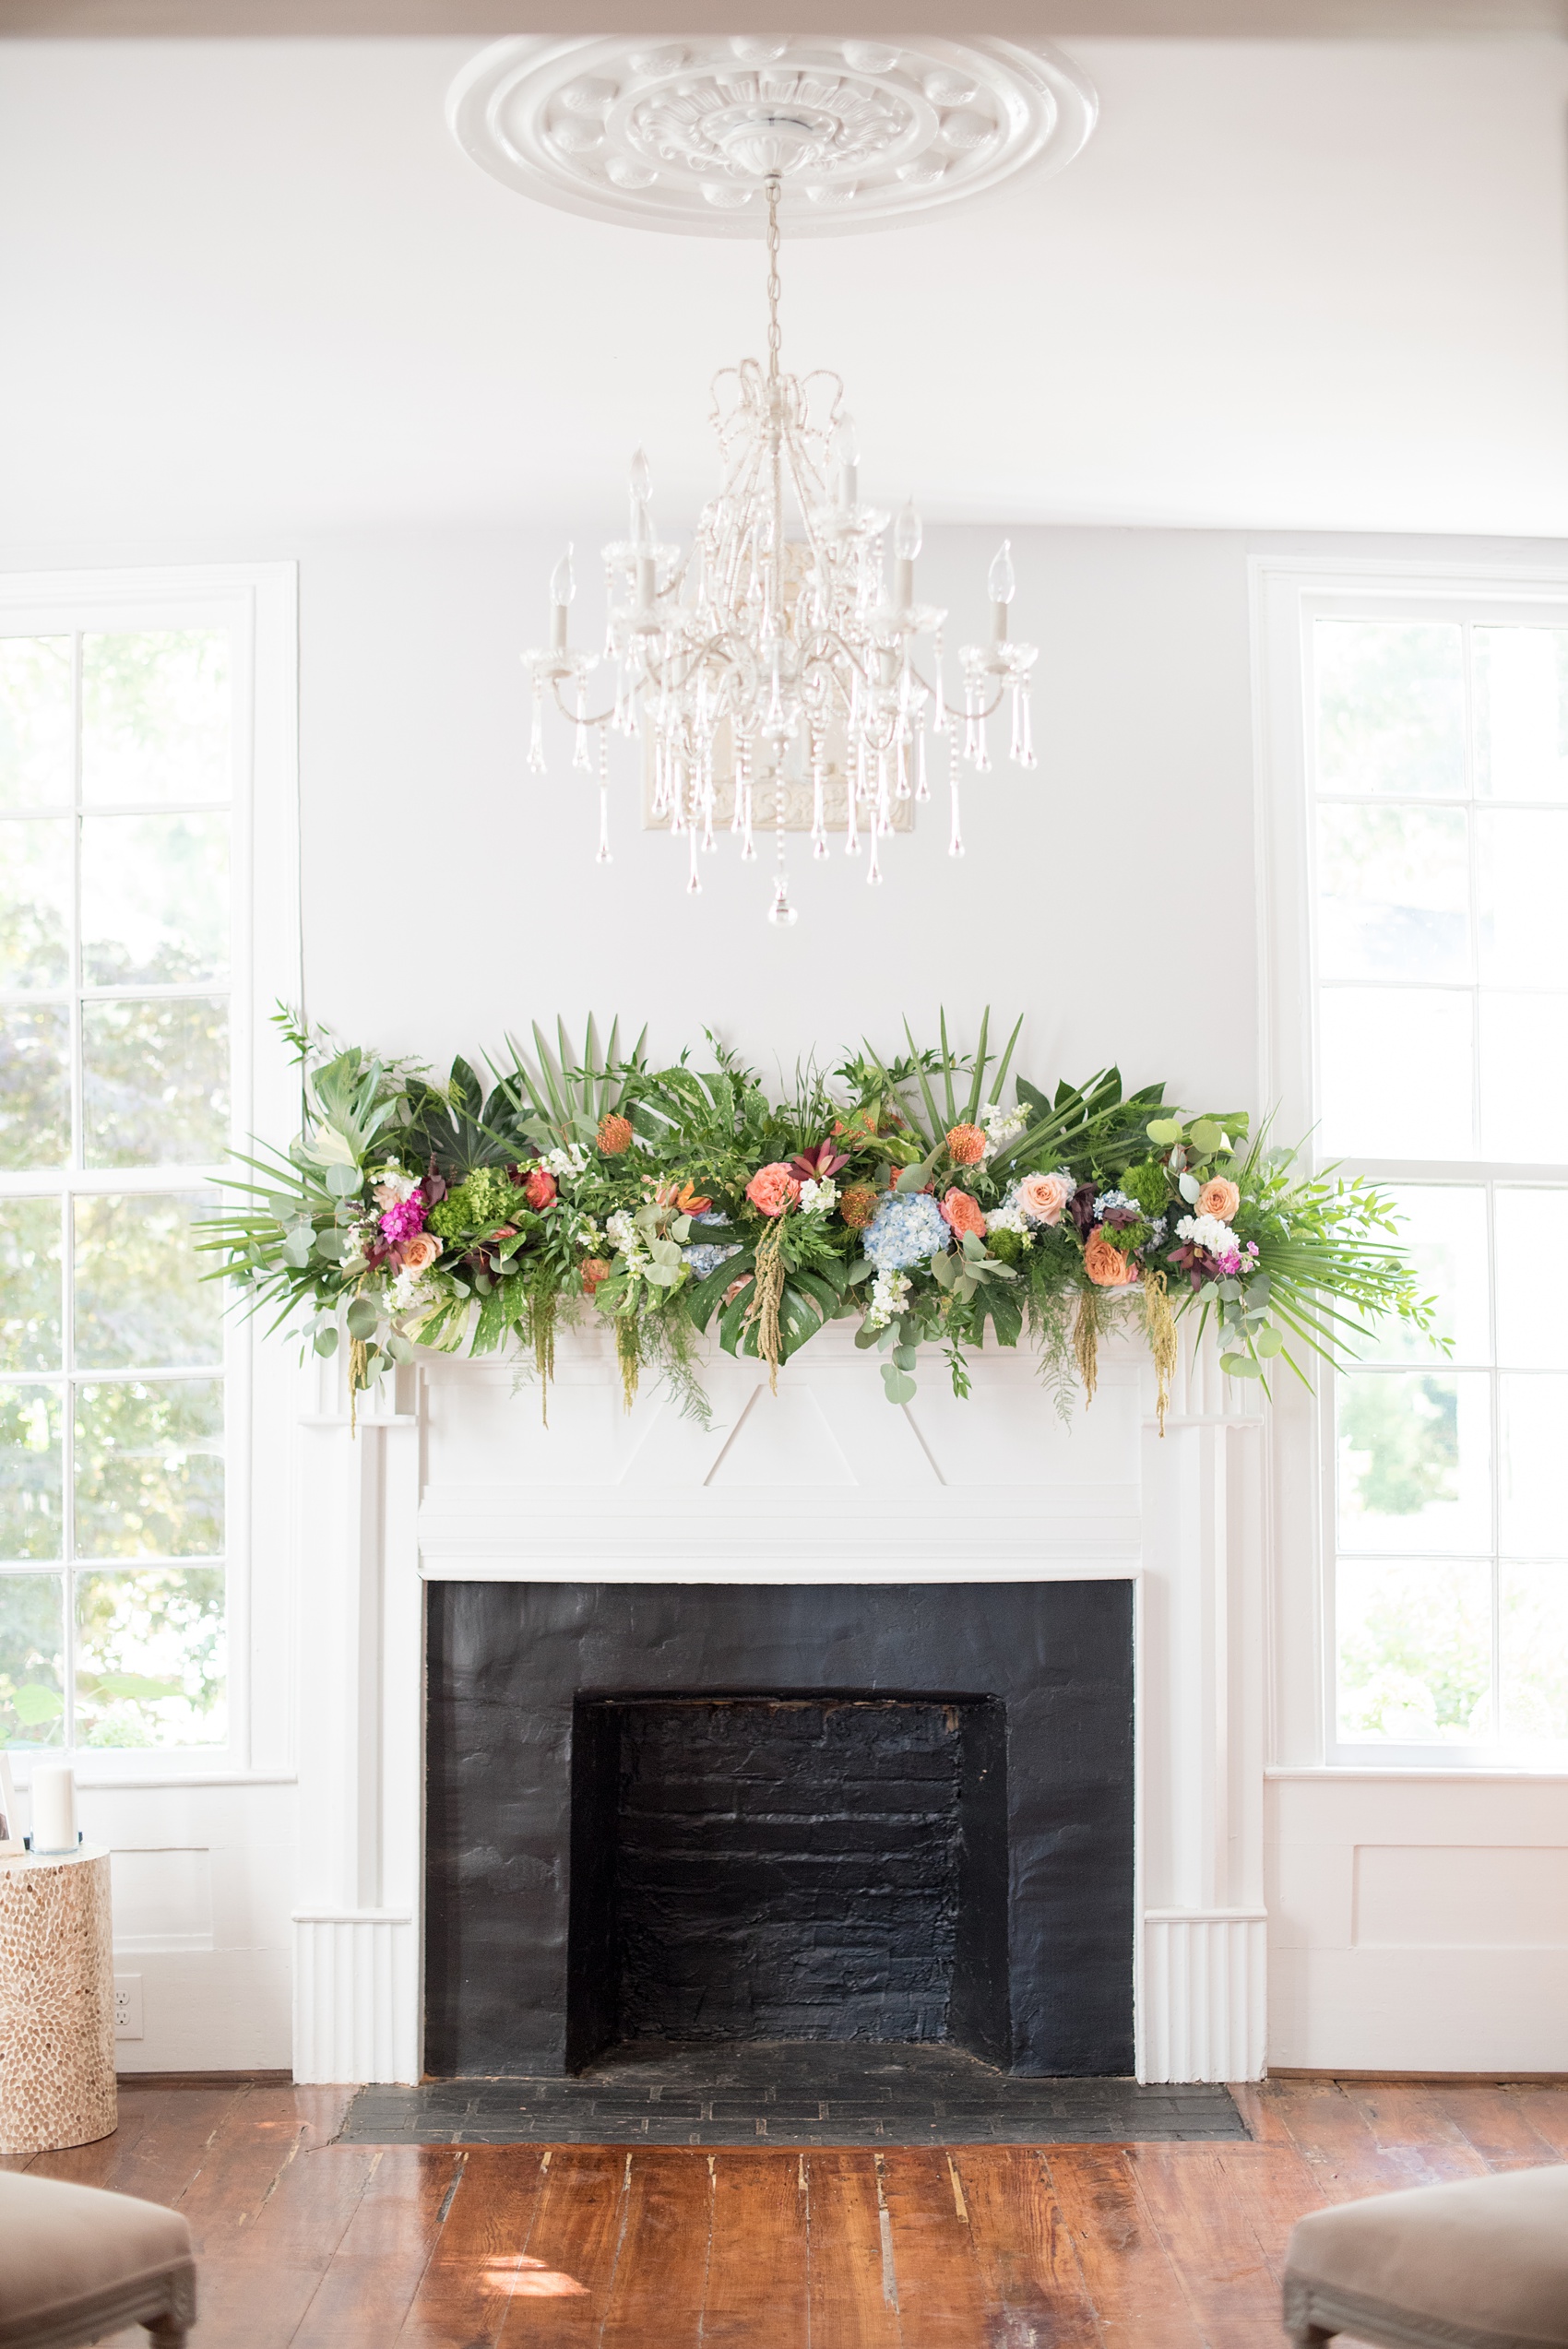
(1042, 1198)
(966, 1146)
(1219, 1199)
(540, 1189)
(594, 1270)
(1105, 1265)
(773, 1189)
(615, 1135)
(418, 1254)
(963, 1214)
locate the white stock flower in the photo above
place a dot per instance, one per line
(1207, 1231)
(818, 1197)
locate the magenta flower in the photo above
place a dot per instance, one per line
(402, 1220)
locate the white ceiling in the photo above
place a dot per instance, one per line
(253, 288)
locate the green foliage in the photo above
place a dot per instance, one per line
(487, 1198)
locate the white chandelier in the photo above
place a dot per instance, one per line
(771, 658)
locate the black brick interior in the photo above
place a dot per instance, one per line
(786, 1868)
(529, 1824)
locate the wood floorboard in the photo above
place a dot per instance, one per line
(308, 2244)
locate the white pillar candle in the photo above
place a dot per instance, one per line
(54, 1807)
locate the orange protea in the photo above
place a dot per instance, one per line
(615, 1135)
(594, 1269)
(858, 1205)
(966, 1146)
(963, 1214)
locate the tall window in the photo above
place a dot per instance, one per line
(117, 764)
(1437, 758)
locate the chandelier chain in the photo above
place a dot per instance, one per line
(775, 341)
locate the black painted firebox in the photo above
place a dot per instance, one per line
(694, 1813)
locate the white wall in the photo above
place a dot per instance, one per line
(1111, 898)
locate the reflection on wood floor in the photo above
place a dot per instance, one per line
(522, 2247)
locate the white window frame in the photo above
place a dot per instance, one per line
(1287, 595)
(257, 605)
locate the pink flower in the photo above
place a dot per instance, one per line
(963, 1214)
(404, 1218)
(539, 1190)
(1219, 1199)
(773, 1189)
(420, 1252)
(1042, 1198)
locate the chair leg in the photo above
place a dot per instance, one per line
(167, 2332)
(1307, 2335)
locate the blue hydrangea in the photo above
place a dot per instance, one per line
(705, 1256)
(908, 1228)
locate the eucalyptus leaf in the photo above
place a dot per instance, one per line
(326, 1342)
(400, 1348)
(343, 1181)
(1165, 1131)
(1240, 1366)
(1205, 1136)
(362, 1317)
(900, 1385)
(1269, 1342)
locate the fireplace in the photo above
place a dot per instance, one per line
(693, 1812)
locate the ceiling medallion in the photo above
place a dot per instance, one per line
(681, 135)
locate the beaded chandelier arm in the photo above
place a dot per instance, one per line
(767, 650)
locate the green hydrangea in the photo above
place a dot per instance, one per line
(1007, 1247)
(1148, 1184)
(488, 1197)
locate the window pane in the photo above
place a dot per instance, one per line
(35, 902)
(1524, 1077)
(151, 1659)
(1397, 1078)
(37, 727)
(140, 1301)
(1522, 713)
(1532, 1648)
(1529, 1337)
(150, 1469)
(155, 715)
(1414, 1460)
(29, 1283)
(35, 1086)
(1532, 1496)
(1415, 1650)
(32, 1659)
(1390, 707)
(1444, 1227)
(1394, 892)
(1522, 889)
(155, 1083)
(30, 1472)
(155, 898)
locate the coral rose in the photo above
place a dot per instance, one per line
(963, 1214)
(1219, 1199)
(615, 1135)
(1105, 1265)
(736, 1287)
(539, 1190)
(966, 1146)
(773, 1189)
(1042, 1198)
(594, 1270)
(858, 1205)
(420, 1252)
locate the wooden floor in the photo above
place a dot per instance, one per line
(1094, 2246)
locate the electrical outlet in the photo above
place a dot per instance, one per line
(128, 2006)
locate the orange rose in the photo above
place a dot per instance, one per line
(615, 1135)
(963, 1214)
(966, 1146)
(416, 1255)
(773, 1189)
(1219, 1199)
(539, 1190)
(594, 1270)
(1105, 1265)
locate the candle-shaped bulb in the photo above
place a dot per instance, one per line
(642, 524)
(1002, 583)
(907, 532)
(563, 587)
(845, 446)
(641, 476)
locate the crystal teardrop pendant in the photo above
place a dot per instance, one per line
(781, 913)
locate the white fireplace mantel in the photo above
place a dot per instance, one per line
(826, 1481)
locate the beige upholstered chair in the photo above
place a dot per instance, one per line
(1479, 2265)
(75, 2264)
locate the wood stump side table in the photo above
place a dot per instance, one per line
(56, 2002)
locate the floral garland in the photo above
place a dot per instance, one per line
(905, 1194)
